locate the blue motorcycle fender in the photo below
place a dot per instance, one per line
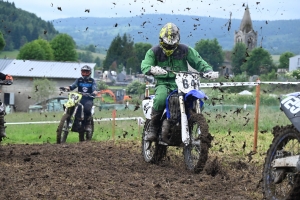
(194, 95)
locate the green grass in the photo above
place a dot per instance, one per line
(42, 133)
(229, 129)
(9, 54)
(95, 55)
(275, 59)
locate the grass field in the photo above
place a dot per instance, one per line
(9, 54)
(46, 132)
(95, 55)
(275, 59)
(233, 132)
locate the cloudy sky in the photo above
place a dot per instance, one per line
(260, 9)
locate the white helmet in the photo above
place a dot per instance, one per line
(86, 72)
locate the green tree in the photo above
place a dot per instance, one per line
(85, 56)
(238, 57)
(120, 50)
(140, 50)
(64, 48)
(259, 62)
(2, 42)
(42, 89)
(272, 76)
(113, 53)
(47, 49)
(284, 60)
(91, 48)
(295, 74)
(32, 51)
(97, 61)
(102, 85)
(136, 87)
(211, 52)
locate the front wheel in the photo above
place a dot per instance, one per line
(282, 183)
(196, 153)
(152, 151)
(62, 129)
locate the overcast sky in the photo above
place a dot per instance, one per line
(259, 9)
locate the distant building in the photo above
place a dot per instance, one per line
(109, 77)
(246, 34)
(294, 63)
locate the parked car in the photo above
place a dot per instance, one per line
(49, 105)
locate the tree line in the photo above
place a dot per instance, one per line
(19, 27)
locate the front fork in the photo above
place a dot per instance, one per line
(72, 118)
(185, 136)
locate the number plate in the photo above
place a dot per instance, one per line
(187, 82)
(292, 104)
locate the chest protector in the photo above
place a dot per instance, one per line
(85, 85)
(179, 54)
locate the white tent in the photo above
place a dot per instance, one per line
(245, 92)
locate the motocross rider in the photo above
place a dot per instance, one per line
(171, 55)
(86, 85)
(5, 80)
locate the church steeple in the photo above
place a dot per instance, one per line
(246, 24)
(246, 34)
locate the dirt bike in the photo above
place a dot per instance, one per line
(281, 172)
(182, 121)
(72, 120)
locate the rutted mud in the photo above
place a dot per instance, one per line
(104, 170)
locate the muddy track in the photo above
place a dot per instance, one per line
(103, 170)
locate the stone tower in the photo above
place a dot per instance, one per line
(246, 34)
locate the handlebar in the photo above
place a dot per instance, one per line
(82, 93)
(64, 89)
(201, 74)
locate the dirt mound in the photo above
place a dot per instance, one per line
(104, 170)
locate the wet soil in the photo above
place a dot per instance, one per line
(107, 170)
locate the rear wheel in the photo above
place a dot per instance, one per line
(196, 153)
(62, 129)
(152, 151)
(282, 183)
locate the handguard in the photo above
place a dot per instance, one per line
(156, 70)
(211, 75)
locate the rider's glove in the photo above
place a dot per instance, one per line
(211, 75)
(8, 77)
(156, 70)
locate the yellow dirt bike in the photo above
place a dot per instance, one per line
(73, 118)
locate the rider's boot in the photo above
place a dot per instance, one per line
(154, 125)
(88, 124)
(165, 131)
(2, 126)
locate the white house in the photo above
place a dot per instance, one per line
(25, 71)
(294, 63)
